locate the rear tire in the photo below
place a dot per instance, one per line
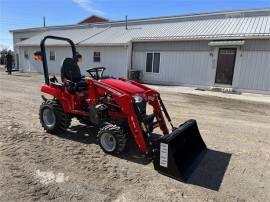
(112, 139)
(53, 118)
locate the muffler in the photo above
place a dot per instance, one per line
(177, 154)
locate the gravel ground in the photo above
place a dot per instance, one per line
(35, 165)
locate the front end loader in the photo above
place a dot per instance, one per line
(118, 108)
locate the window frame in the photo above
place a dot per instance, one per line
(147, 61)
(152, 62)
(50, 55)
(96, 56)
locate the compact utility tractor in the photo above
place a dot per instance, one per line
(117, 108)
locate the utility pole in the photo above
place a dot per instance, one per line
(44, 21)
(126, 22)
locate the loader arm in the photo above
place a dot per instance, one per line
(174, 154)
(154, 99)
(128, 107)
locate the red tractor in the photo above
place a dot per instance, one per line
(117, 108)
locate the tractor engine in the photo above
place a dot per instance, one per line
(98, 113)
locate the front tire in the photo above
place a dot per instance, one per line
(112, 138)
(53, 118)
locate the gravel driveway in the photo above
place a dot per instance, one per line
(35, 165)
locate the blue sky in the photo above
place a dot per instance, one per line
(16, 14)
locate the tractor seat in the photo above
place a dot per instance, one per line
(81, 85)
(77, 87)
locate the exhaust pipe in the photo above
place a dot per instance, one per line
(177, 154)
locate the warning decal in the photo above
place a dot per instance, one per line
(163, 155)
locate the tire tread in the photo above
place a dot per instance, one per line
(63, 120)
(118, 132)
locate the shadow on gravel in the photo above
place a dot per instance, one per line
(208, 172)
(133, 154)
(80, 133)
(87, 135)
(211, 169)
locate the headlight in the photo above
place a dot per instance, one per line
(137, 98)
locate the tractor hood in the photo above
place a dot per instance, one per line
(123, 86)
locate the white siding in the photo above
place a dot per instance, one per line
(180, 63)
(29, 65)
(194, 63)
(17, 37)
(186, 63)
(115, 59)
(253, 69)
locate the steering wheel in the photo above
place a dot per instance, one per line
(96, 72)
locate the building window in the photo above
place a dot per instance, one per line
(96, 57)
(52, 55)
(26, 55)
(152, 62)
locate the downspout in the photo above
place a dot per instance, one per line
(130, 53)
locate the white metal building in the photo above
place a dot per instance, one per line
(223, 48)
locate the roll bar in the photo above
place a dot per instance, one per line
(43, 53)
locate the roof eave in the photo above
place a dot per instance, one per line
(201, 38)
(162, 39)
(80, 45)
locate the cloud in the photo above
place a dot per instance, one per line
(88, 6)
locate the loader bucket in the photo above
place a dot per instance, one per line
(177, 154)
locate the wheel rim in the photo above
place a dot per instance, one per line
(49, 118)
(108, 142)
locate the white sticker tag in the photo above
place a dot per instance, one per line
(163, 155)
